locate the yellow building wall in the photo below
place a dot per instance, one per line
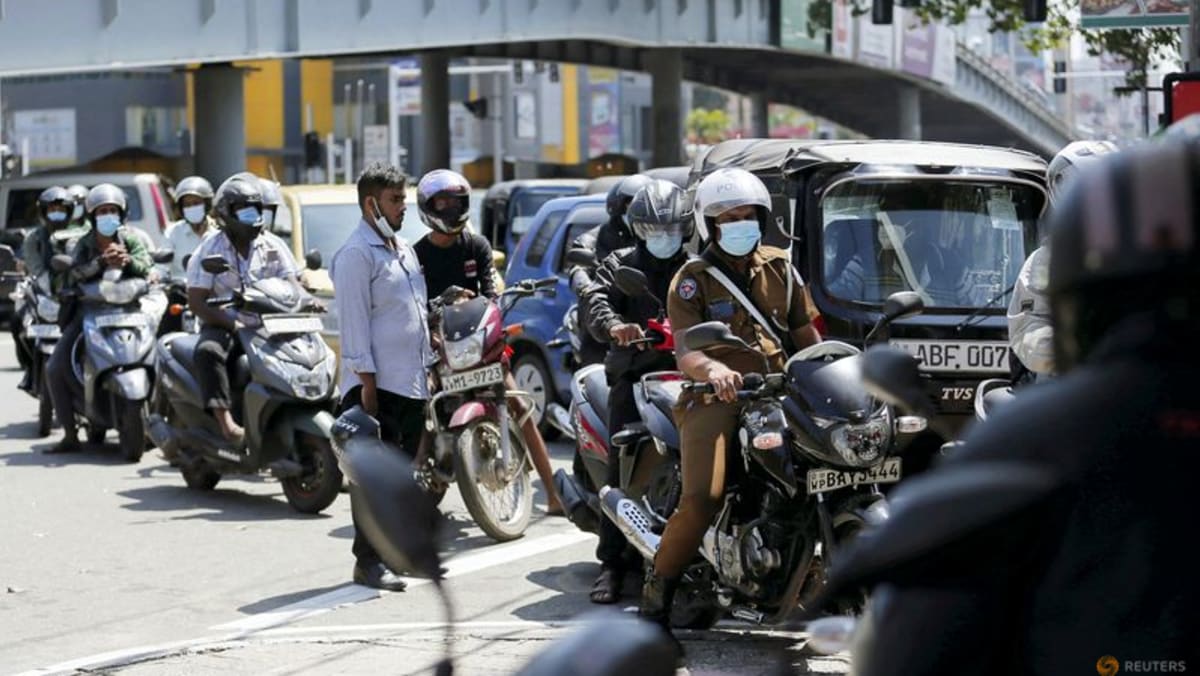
(316, 90)
(263, 98)
(569, 75)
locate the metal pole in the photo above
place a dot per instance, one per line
(1146, 107)
(348, 161)
(392, 120)
(329, 165)
(359, 119)
(25, 156)
(497, 128)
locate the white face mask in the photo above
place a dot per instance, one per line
(381, 223)
(194, 214)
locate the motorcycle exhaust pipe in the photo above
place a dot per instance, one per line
(581, 506)
(163, 436)
(561, 419)
(633, 522)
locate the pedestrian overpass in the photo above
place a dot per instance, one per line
(724, 43)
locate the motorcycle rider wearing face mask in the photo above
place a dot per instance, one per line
(252, 255)
(661, 222)
(451, 257)
(194, 201)
(1089, 558)
(735, 208)
(1030, 335)
(107, 246)
(54, 212)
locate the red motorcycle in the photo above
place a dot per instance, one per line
(476, 443)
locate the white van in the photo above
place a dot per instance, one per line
(147, 196)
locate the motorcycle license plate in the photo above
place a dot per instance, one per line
(957, 356)
(43, 331)
(131, 321)
(469, 380)
(291, 324)
(824, 480)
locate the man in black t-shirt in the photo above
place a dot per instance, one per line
(451, 256)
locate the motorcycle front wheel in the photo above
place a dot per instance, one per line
(131, 430)
(319, 485)
(500, 499)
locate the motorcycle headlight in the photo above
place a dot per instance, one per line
(863, 444)
(465, 353)
(47, 308)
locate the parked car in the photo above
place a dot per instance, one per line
(509, 207)
(147, 197)
(537, 368)
(315, 221)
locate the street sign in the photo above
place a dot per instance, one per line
(1133, 13)
(375, 144)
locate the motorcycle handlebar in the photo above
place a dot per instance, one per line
(753, 385)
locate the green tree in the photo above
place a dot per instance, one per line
(707, 126)
(1142, 48)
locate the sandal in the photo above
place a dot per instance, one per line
(607, 588)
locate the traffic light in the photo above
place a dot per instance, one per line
(477, 107)
(312, 150)
(1060, 82)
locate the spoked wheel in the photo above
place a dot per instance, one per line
(499, 498)
(318, 486)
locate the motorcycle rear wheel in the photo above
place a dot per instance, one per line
(321, 482)
(199, 476)
(477, 447)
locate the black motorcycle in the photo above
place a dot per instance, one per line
(814, 449)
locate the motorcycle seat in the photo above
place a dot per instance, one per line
(183, 348)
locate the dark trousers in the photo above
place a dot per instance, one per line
(212, 357)
(622, 410)
(61, 377)
(401, 421)
(24, 357)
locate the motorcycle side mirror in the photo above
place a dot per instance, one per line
(312, 259)
(893, 376)
(902, 304)
(582, 257)
(12, 238)
(163, 256)
(631, 282)
(214, 265)
(381, 478)
(61, 263)
(711, 334)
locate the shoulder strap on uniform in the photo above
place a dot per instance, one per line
(732, 288)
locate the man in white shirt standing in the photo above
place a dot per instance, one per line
(194, 200)
(384, 327)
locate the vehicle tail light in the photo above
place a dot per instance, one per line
(514, 330)
(175, 309)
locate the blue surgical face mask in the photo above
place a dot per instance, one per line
(739, 237)
(194, 214)
(248, 215)
(56, 216)
(107, 224)
(663, 245)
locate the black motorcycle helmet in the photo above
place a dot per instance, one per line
(55, 196)
(456, 191)
(660, 212)
(1123, 246)
(355, 422)
(622, 192)
(237, 194)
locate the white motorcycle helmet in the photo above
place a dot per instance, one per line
(726, 189)
(1068, 161)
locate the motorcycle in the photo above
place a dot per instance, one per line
(804, 480)
(475, 443)
(583, 262)
(113, 358)
(282, 380)
(37, 310)
(647, 450)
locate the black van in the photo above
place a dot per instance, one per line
(866, 219)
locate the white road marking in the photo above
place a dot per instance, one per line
(261, 625)
(352, 593)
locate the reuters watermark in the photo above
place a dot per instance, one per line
(1111, 666)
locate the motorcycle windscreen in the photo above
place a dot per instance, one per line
(830, 389)
(463, 319)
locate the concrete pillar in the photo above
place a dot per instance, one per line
(908, 116)
(220, 137)
(760, 122)
(666, 68)
(435, 112)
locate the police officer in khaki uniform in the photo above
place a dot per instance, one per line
(735, 207)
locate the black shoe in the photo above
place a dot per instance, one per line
(65, 446)
(378, 576)
(26, 384)
(658, 594)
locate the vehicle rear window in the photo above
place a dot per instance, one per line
(22, 206)
(582, 220)
(326, 227)
(541, 240)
